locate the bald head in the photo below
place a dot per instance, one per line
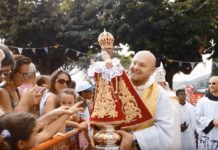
(213, 85)
(214, 78)
(142, 67)
(145, 54)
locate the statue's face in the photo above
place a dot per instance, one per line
(105, 55)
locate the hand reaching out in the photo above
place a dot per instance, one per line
(76, 107)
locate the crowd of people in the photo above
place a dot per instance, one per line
(36, 108)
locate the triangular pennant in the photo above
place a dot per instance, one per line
(192, 64)
(66, 50)
(78, 53)
(46, 49)
(180, 64)
(20, 50)
(170, 60)
(56, 46)
(33, 50)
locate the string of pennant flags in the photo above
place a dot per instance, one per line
(192, 63)
(46, 49)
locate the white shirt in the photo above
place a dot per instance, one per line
(206, 111)
(187, 112)
(159, 136)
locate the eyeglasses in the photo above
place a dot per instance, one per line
(211, 83)
(62, 81)
(31, 74)
(25, 74)
(5, 72)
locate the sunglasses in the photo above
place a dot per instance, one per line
(26, 74)
(211, 83)
(5, 72)
(62, 81)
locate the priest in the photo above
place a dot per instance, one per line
(156, 133)
(207, 117)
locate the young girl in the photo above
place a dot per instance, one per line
(68, 97)
(22, 131)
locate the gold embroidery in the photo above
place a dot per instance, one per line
(104, 102)
(149, 97)
(130, 107)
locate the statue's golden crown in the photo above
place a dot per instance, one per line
(106, 40)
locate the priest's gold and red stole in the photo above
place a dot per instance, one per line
(116, 102)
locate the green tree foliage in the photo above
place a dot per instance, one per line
(178, 30)
(33, 23)
(175, 31)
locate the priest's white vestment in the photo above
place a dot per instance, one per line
(187, 114)
(159, 136)
(206, 111)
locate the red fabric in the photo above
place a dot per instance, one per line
(121, 116)
(144, 110)
(193, 97)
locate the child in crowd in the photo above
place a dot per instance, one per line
(23, 131)
(43, 81)
(58, 81)
(85, 90)
(68, 97)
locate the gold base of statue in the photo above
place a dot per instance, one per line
(107, 138)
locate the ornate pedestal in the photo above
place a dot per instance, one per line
(107, 139)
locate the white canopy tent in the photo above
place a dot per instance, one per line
(198, 77)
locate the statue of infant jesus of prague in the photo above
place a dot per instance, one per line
(115, 100)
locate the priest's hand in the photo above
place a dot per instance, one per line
(126, 141)
(183, 126)
(215, 122)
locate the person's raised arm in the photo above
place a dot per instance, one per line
(52, 121)
(53, 115)
(27, 100)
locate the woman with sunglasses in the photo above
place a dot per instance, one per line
(9, 96)
(59, 80)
